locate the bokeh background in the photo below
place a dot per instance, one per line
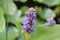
(12, 14)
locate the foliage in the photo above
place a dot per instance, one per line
(10, 14)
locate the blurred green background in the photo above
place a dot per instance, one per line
(12, 14)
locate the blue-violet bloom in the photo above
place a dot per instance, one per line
(50, 21)
(29, 20)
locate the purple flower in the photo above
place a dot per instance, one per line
(29, 21)
(50, 21)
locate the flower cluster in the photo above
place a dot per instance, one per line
(50, 21)
(29, 20)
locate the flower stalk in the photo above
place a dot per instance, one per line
(29, 22)
(27, 36)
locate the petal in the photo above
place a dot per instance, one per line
(47, 23)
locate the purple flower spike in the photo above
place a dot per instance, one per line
(29, 21)
(50, 21)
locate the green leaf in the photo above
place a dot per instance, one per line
(23, 1)
(39, 22)
(2, 23)
(51, 2)
(49, 13)
(20, 37)
(24, 9)
(45, 32)
(18, 25)
(12, 33)
(1, 11)
(17, 15)
(21, 18)
(2, 20)
(15, 19)
(3, 35)
(45, 14)
(40, 13)
(40, 1)
(9, 7)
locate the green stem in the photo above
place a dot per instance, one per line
(7, 20)
(27, 36)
